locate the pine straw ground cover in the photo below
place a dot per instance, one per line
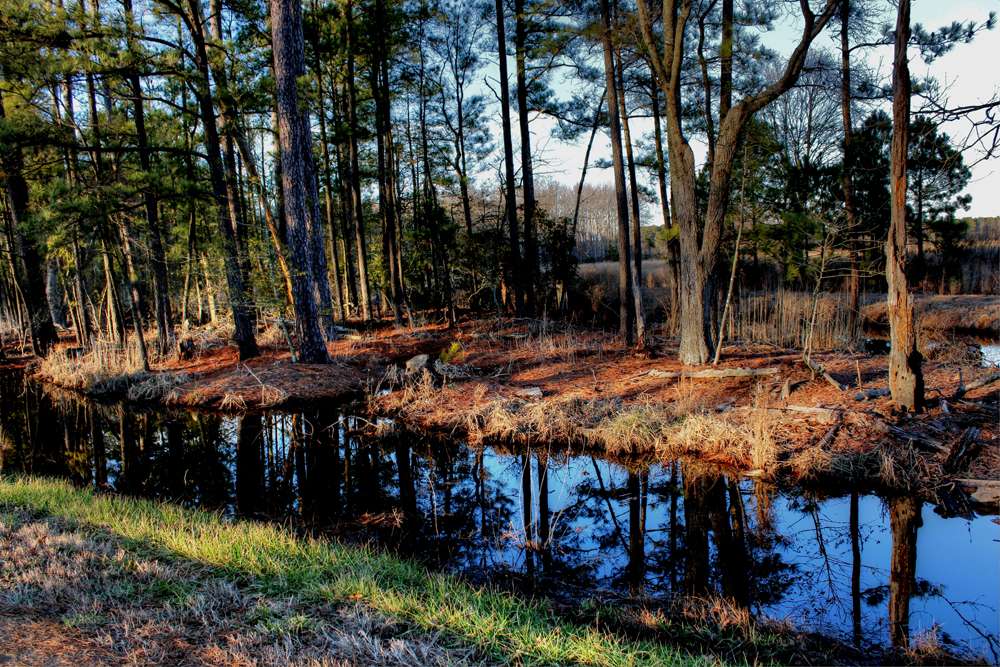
(582, 389)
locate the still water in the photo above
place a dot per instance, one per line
(867, 569)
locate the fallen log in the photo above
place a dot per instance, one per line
(870, 394)
(827, 414)
(982, 490)
(918, 439)
(712, 373)
(982, 382)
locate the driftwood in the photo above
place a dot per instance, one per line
(819, 370)
(962, 451)
(712, 373)
(982, 382)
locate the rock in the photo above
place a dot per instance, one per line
(529, 392)
(452, 371)
(419, 363)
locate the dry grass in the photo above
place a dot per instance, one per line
(782, 317)
(947, 313)
(109, 370)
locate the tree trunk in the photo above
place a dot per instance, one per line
(161, 297)
(627, 308)
(361, 248)
(661, 180)
(530, 263)
(850, 213)
(904, 521)
(513, 277)
(906, 380)
(243, 329)
(298, 178)
(29, 264)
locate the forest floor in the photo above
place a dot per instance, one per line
(761, 411)
(102, 579)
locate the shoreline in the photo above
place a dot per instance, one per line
(761, 412)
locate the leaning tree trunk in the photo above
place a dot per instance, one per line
(243, 326)
(298, 177)
(906, 380)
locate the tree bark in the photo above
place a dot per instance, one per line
(906, 380)
(298, 178)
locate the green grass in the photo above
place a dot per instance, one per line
(272, 560)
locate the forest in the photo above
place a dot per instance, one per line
(726, 245)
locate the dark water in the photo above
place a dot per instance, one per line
(866, 569)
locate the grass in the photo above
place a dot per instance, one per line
(272, 561)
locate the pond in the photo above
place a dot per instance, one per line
(866, 569)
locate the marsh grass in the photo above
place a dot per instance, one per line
(109, 370)
(271, 561)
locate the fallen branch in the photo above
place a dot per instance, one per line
(870, 394)
(712, 373)
(819, 370)
(918, 439)
(962, 451)
(831, 434)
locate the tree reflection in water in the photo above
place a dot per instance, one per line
(564, 526)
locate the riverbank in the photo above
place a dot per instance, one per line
(104, 579)
(761, 411)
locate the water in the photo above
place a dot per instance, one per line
(541, 522)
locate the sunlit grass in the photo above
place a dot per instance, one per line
(272, 560)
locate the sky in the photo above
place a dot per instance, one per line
(970, 72)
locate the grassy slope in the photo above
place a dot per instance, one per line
(273, 560)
